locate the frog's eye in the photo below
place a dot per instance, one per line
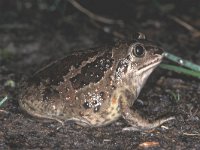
(138, 51)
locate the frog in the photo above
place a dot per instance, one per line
(95, 87)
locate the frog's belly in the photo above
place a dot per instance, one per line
(87, 118)
(102, 118)
(97, 120)
(57, 110)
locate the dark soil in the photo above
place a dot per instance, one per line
(33, 33)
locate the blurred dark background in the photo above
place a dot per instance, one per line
(35, 32)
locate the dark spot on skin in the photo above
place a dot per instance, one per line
(120, 98)
(97, 108)
(86, 105)
(61, 114)
(112, 108)
(128, 57)
(103, 95)
(72, 111)
(128, 94)
(121, 103)
(55, 71)
(94, 102)
(93, 72)
(129, 97)
(113, 114)
(67, 89)
(113, 87)
(117, 108)
(104, 114)
(49, 93)
(106, 120)
(81, 113)
(97, 121)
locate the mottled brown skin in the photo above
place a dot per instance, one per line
(94, 87)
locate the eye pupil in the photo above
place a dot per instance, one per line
(139, 51)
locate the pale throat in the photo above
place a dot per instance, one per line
(141, 79)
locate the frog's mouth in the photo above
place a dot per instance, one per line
(149, 67)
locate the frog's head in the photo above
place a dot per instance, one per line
(140, 58)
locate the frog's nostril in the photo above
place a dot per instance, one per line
(158, 51)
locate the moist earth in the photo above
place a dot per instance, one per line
(34, 33)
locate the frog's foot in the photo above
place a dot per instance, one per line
(60, 121)
(79, 121)
(137, 122)
(143, 124)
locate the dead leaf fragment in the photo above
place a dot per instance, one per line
(149, 144)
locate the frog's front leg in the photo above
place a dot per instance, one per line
(137, 122)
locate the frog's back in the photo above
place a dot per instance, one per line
(77, 87)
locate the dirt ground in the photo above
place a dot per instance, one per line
(33, 33)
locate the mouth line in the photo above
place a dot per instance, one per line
(149, 66)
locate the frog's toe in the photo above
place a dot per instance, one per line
(132, 128)
(79, 121)
(147, 125)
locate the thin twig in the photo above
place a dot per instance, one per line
(191, 134)
(4, 111)
(149, 144)
(3, 100)
(195, 32)
(193, 113)
(164, 127)
(95, 16)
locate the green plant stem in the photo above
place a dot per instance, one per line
(182, 62)
(3, 100)
(181, 70)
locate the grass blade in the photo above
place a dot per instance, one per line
(181, 70)
(182, 62)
